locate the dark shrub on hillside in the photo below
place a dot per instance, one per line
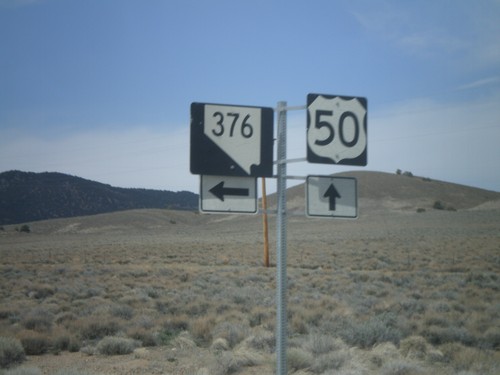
(11, 352)
(34, 343)
(94, 328)
(145, 336)
(38, 319)
(491, 340)
(25, 228)
(41, 291)
(438, 205)
(367, 333)
(116, 346)
(172, 328)
(123, 311)
(440, 336)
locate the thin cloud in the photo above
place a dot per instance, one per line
(403, 30)
(410, 29)
(454, 142)
(139, 158)
(480, 83)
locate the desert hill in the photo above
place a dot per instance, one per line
(28, 196)
(378, 193)
(380, 190)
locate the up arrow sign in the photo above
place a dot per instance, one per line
(331, 196)
(332, 193)
(220, 191)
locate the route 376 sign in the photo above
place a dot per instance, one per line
(336, 129)
(229, 140)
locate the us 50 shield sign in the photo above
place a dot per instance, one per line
(336, 129)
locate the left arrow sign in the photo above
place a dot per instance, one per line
(228, 194)
(220, 191)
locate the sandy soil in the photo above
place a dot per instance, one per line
(381, 243)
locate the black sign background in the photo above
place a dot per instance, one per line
(361, 160)
(206, 158)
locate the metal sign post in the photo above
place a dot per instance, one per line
(281, 278)
(264, 223)
(233, 145)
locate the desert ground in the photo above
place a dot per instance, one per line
(395, 292)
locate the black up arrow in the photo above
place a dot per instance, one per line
(220, 191)
(332, 194)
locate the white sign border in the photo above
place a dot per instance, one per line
(333, 216)
(229, 210)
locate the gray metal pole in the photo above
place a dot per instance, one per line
(281, 278)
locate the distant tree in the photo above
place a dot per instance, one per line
(438, 205)
(25, 228)
(408, 174)
(398, 171)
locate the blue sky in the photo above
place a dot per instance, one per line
(101, 89)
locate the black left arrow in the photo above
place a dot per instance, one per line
(220, 191)
(332, 194)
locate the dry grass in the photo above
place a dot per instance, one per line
(392, 293)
